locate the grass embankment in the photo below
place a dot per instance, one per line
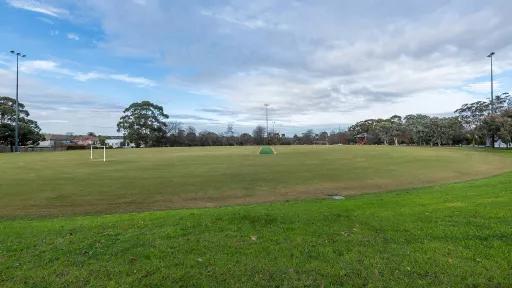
(443, 236)
(66, 183)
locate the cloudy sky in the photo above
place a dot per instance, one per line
(319, 64)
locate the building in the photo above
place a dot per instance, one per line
(86, 140)
(114, 143)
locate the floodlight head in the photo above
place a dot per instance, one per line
(491, 54)
(12, 51)
(23, 56)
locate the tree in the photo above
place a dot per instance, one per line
(245, 139)
(368, 127)
(102, 140)
(323, 136)
(191, 136)
(437, 129)
(490, 127)
(143, 123)
(397, 128)
(471, 116)
(173, 127)
(29, 130)
(229, 135)
(8, 110)
(259, 135)
(308, 137)
(502, 102)
(175, 134)
(208, 138)
(383, 129)
(418, 126)
(505, 131)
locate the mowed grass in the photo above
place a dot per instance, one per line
(66, 183)
(452, 235)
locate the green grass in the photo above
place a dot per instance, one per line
(68, 183)
(451, 235)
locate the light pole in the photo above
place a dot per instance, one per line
(492, 84)
(17, 128)
(492, 95)
(266, 117)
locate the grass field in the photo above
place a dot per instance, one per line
(452, 235)
(66, 183)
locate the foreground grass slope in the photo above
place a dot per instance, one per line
(34, 184)
(451, 235)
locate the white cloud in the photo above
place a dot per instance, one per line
(73, 36)
(482, 87)
(36, 66)
(333, 61)
(313, 61)
(38, 7)
(60, 111)
(139, 81)
(227, 15)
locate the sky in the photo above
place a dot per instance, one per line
(320, 64)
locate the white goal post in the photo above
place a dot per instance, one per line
(104, 151)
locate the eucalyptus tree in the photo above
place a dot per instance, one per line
(29, 130)
(472, 115)
(418, 127)
(144, 123)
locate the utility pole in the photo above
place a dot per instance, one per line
(17, 127)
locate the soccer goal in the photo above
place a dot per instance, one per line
(98, 147)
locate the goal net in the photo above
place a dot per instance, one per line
(98, 152)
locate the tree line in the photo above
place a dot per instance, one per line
(477, 123)
(145, 124)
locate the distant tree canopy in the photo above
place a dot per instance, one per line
(146, 124)
(29, 130)
(143, 123)
(474, 124)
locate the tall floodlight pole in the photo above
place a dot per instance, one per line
(492, 95)
(17, 128)
(492, 84)
(266, 117)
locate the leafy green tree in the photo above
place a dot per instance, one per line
(259, 135)
(29, 130)
(208, 138)
(191, 136)
(505, 131)
(102, 140)
(308, 137)
(397, 128)
(418, 126)
(502, 102)
(383, 129)
(245, 139)
(471, 116)
(143, 123)
(490, 126)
